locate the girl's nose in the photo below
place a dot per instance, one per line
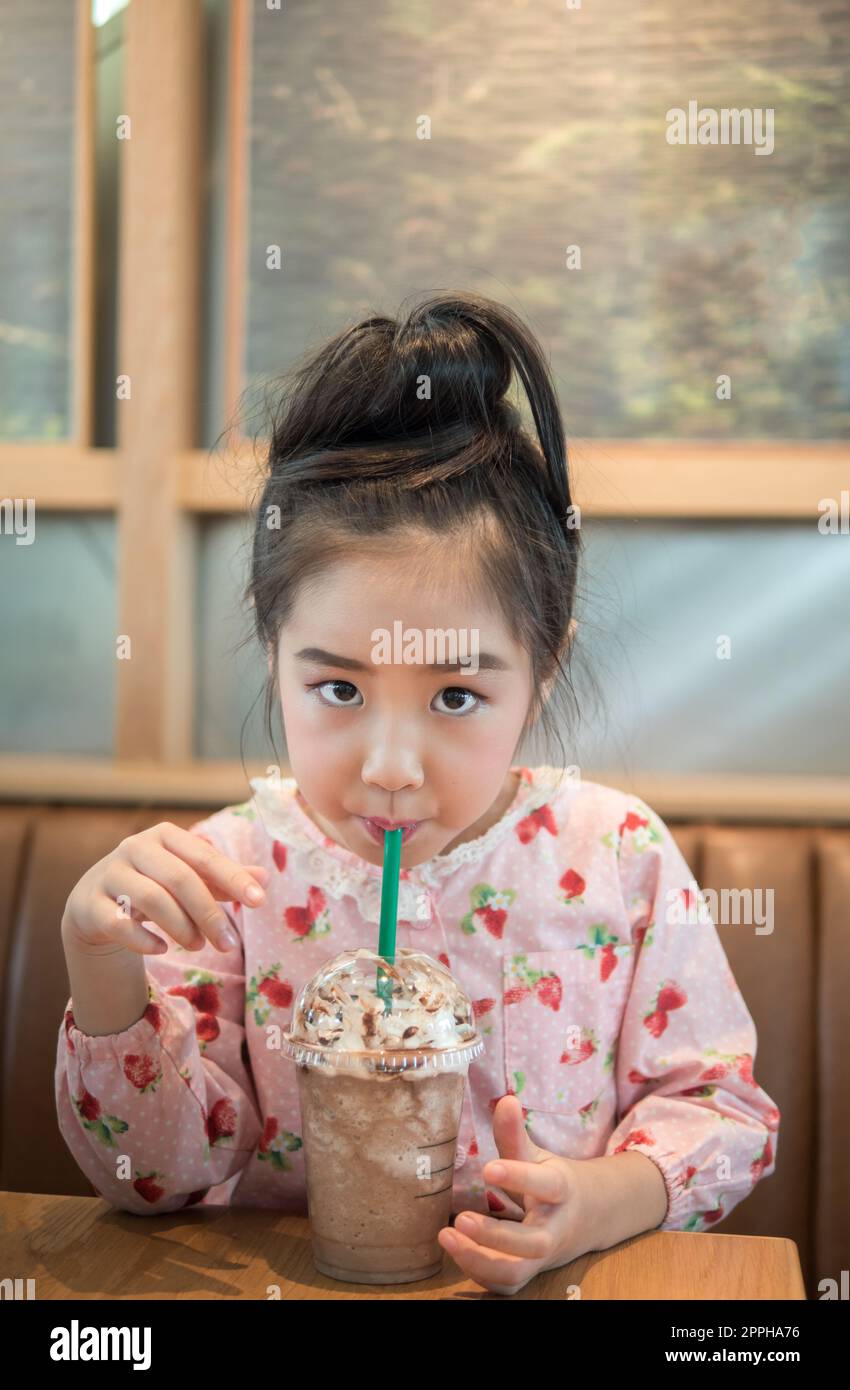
(392, 772)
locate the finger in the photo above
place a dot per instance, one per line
(544, 1180)
(520, 1238)
(258, 872)
(157, 861)
(224, 877)
(261, 875)
(121, 930)
(502, 1272)
(147, 899)
(197, 942)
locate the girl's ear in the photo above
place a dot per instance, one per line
(546, 688)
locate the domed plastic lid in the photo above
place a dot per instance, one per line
(340, 1018)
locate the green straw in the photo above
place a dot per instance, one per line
(389, 910)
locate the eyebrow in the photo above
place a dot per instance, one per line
(486, 661)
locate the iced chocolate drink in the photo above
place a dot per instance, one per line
(381, 1092)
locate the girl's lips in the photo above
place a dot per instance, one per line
(378, 832)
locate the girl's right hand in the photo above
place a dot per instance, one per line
(164, 875)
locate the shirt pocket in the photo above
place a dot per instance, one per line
(562, 1012)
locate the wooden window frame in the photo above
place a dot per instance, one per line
(158, 485)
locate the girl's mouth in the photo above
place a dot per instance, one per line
(377, 829)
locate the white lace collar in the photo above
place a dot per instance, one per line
(339, 872)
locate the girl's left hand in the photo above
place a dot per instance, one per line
(505, 1254)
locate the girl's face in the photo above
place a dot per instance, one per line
(400, 741)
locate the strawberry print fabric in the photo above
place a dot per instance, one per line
(599, 983)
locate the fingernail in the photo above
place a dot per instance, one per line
(254, 893)
(497, 1171)
(465, 1223)
(228, 939)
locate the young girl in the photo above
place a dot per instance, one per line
(404, 496)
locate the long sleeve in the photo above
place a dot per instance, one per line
(158, 1114)
(687, 1097)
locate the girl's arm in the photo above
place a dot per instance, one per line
(622, 1195)
(110, 991)
(153, 1095)
(687, 1095)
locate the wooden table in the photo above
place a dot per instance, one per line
(80, 1247)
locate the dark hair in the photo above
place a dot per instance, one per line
(400, 427)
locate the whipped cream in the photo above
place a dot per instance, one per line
(341, 1010)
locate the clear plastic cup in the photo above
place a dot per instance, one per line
(381, 1093)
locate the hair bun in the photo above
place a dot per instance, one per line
(421, 397)
(446, 364)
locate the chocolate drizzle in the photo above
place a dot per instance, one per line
(340, 1008)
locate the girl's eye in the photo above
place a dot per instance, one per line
(341, 688)
(453, 693)
(343, 695)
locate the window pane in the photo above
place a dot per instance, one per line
(230, 681)
(216, 96)
(657, 602)
(549, 130)
(37, 78)
(58, 628)
(109, 60)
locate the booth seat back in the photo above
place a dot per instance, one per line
(795, 980)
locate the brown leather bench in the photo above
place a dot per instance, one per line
(796, 982)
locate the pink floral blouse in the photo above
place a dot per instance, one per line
(598, 979)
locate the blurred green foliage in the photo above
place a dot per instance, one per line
(548, 129)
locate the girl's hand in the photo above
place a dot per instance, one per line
(504, 1254)
(164, 875)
